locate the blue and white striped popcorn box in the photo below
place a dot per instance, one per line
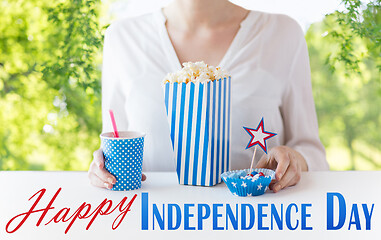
(199, 121)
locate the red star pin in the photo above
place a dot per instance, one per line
(259, 136)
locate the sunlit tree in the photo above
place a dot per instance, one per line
(49, 83)
(346, 83)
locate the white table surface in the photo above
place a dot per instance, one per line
(16, 187)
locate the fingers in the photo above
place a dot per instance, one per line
(266, 161)
(97, 174)
(288, 171)
(282, 157)
(287, 165)
(263, 162)
(96, 181)
(272, 183)
(100, 177)
(104, 175)
(291, 177)
(98, 158)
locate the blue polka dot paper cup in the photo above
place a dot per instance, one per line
(124, 158)
(241, 185)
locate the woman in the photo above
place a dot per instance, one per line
(265, 54)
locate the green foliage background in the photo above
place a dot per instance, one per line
(49, 82)
(50, 102)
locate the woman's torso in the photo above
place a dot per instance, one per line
(258, 61)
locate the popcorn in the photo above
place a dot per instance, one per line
(196, 72)
(220, 73)
(208, 88)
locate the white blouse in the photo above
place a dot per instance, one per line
(269, 65)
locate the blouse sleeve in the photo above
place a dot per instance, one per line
(298, 110)
(112, 95)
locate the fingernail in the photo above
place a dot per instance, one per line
(279, 176)
(110, 180)
(107, 185)
(277, 188)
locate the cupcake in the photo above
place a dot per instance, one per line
(245, 183)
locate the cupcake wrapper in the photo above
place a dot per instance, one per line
(247, 187)
(199, 121)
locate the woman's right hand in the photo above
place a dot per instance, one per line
(98, 174)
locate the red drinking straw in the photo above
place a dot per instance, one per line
(116, 134)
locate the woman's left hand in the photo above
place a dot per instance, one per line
(288, 165)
